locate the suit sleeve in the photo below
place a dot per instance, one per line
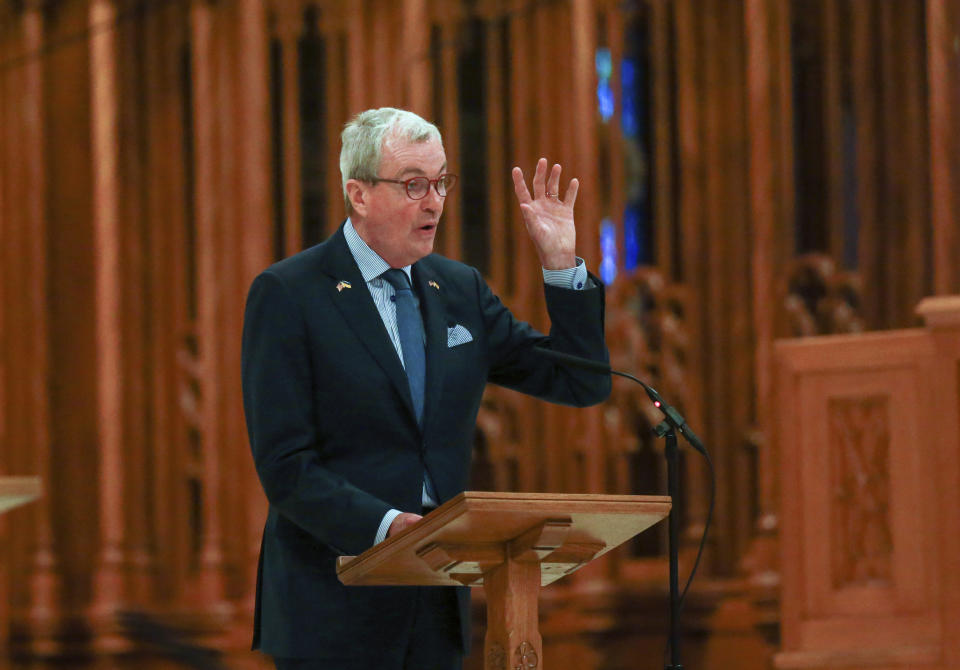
(577, 327)
(278, 392)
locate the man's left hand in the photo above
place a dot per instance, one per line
(549, 219)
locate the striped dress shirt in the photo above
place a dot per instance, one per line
(372, 266)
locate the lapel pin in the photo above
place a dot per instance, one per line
(342, 285)
(434, 284)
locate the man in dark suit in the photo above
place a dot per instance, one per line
(361, 391)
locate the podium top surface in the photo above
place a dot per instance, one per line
(480, 519)
(15, 491)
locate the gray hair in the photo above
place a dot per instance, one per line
(361, 143)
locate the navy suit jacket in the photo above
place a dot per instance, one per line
(335, 440)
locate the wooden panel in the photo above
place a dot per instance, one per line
(862, 520)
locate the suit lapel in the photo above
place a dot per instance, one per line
(359, 311)
(430, 290)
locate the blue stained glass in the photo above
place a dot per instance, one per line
(628, 72)
(628, 76)
(630, 242)
(637, 235)
(605, 104)
(608, 251)
(605, 99)
(604, 63)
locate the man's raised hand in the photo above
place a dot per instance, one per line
(549, 219)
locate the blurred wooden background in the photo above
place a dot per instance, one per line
(750, 170)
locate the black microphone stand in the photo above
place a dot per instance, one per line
(668, 428)
(664, 429)
(672, 424)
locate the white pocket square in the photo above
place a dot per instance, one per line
(457, 335)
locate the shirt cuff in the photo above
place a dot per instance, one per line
(385, 525)
(573, 278)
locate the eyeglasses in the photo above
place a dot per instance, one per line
(418, 187)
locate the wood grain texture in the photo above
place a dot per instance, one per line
(864, 530)
(476, 518)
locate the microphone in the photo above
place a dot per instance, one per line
(673, 422)
(673, 417)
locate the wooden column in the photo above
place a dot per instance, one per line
(497, 165)
(38, 597)
(254, 139)
(140, 530)
(664, 215)
(943, 77)
(384, 68)
(523, 153)
(833, 132)
(771, 214)
(252, 219)
(109, 586)
(4, 125)
(357, 58)
(704, 228)
(904, 214)
(416, 63)
(169, 324)
(872, 258)
(290, 29)
(580, 127)
(210, 311)
(337, 110)
(451, 239)
(7, 235)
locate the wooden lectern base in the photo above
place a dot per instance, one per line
(511, 544)
(16, 491)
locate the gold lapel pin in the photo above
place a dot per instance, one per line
(434, 284)
(342, 285)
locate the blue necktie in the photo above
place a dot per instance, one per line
(410, 325)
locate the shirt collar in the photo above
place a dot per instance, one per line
(369, 261)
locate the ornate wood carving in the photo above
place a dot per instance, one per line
(496, 657)
(820, 299)
(860, 444)
(526, 657)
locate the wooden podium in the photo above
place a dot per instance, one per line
(511, 544)
(16, 491)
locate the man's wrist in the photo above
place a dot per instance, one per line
(574, 277)
(560, 263)
(385, 525)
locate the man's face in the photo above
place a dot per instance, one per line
(401, 230)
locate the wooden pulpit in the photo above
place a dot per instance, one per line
(511, 544)
(16, 491)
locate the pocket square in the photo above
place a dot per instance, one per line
(457, 335)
